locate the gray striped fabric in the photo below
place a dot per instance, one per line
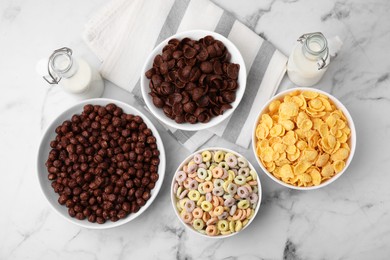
(255, 76)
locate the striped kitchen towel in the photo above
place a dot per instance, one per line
(123, 33)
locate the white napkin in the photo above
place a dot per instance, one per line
(123, 33)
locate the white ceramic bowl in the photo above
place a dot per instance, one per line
(174, 200)
(351, 142)
(44, 149)
(196, 35)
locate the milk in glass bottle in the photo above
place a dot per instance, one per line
(74, 75)
(309, 60)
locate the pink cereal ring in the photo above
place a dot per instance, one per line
(198, 158)
(233, 210)
(225, 174)
(183, 194)
(209, 197)
(193, 185)
(189, 205)
(253, 198)
(224, 215)
(192, 168)
(229, 202)
(242, 192)
(231, 161)
(217, 172)
(202, 165)
(181, 176)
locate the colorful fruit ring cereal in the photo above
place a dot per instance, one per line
(221, 197)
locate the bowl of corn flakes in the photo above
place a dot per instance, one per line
(304, 138)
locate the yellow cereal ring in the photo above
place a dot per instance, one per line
(231, 175)
(243, 204)
(238, 226)
(223, 225)
(219, 156)
(206, 156)
(225, 233)
(206, 206)
(232, 226)
(197, 213)
(209, 175)
(200, 200)
(198, 224)
(194, 195)
(218, 210)
(245, 222)
(182, 202)
(211, 230)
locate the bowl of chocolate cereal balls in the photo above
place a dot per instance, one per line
(101, 163)
(304, 138)
(216, 192)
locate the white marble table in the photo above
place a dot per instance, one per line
(347, 220)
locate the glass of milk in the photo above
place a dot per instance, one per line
(309, 60)
(74, 75)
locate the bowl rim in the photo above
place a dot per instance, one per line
(173, 198)
(216, 120)
(66, 113)
(338, 105)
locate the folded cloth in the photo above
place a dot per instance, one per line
(123, 33)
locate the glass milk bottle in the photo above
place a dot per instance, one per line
(74, 75)
(309, 60)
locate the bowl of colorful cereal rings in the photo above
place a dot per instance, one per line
(304, 138)
(216, 192)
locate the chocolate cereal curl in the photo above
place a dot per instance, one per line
(193, 80)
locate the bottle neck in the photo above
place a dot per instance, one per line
(63, 64)
(315, 46)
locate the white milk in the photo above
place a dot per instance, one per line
(309, 60)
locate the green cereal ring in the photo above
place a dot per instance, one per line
(218, 183)
(240, 180)
(227, 196)
(194, 195)
(224, 165)
(243, 204)
(223, 225)
(198, 224)
(206, 206)
(202, 173)
(200, 189)
(242, 162)
(219, 156)
(206, 156)
(253, 174)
